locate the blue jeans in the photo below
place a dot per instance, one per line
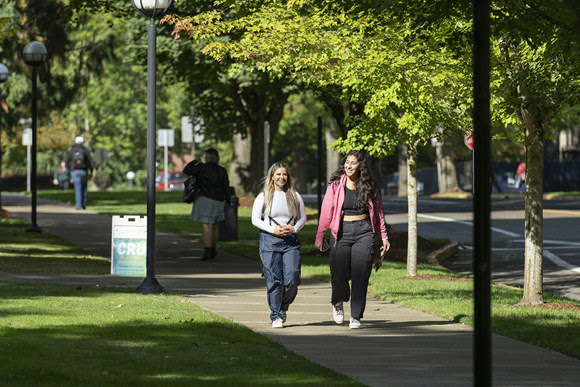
(281, 266)
(80, 180)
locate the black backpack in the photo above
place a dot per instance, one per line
(78, 159)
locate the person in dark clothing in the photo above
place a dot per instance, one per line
(80, 165)
(208, 208)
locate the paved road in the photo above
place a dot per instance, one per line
(449, 218)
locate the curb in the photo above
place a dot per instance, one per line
(443, 253)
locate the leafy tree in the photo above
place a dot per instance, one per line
(400, 80)
(234, 103)
(535, 74)
(24, 21)
(298, 128)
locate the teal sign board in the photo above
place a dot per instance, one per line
(129, 246)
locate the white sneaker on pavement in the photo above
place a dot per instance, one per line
(354, 323)
(277, 323)
(338, 313)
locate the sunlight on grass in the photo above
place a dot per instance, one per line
(22, 252)
(117, 337)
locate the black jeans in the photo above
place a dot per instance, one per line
(352, 259)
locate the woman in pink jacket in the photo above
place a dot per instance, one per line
(353, 209)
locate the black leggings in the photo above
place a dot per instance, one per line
(352, 259)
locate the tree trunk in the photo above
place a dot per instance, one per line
(247, 166)
(299, 175)
(402, 183)
(332, 156)
(448, 181)
(254, 107)
(240, 164)
(412, 214)
(533, 271)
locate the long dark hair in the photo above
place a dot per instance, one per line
(366, 185)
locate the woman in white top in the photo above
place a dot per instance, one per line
(279, 214)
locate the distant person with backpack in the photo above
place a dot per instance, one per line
(279, 213)
(80, 164)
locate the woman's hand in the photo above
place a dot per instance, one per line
(318, 244)
(386, 247)
(283, 230)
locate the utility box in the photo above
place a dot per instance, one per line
(129, 246)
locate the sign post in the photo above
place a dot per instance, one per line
(437, 143)
(468, 140)
(27, 141)
(266, 147)
(165, 138)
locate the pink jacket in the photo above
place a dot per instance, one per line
(331, 211)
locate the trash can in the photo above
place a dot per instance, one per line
(229, 227)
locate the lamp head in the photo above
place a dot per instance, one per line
(34, 53)
(152, 8)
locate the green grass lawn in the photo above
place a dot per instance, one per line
(436, 290)
(63, 335)
(22, 252)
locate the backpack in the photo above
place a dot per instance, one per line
(78, 159)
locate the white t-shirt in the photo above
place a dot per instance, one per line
(279, 212)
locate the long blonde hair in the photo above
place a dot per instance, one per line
(291, 199)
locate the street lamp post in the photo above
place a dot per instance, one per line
(151, 9)
(34, 54)
(3, 77)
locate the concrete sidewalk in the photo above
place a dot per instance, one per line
(396, 347)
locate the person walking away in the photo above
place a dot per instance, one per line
(80, 164)
(521, 177)
(209, 207)
(62, 176)
(279, 214)
(353, 210)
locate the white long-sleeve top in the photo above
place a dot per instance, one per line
(279, 212)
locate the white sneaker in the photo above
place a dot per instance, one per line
(338, 313)
(284, 315)
(354, 323)
(277, 323)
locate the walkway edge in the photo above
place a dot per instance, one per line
(440, 255)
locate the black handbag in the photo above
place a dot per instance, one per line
(190, 189)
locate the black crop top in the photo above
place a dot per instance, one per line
(349, 205)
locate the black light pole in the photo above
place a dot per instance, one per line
(481, 196)
(3, 77)
(34, 54)
(151, 9)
